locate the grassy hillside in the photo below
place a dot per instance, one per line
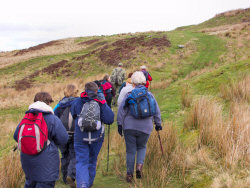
(202, 89)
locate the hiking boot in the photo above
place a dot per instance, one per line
(129, 178)
(139, 171)
(71, 182)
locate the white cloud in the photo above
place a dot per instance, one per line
(28, 22)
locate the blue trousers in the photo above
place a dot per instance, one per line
(35, 184)
(86, 157)
(68, 160)
(136, 143)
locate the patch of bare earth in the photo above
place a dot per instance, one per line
(125, 49)
(27, 82)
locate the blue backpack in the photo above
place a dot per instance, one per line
(141, 103)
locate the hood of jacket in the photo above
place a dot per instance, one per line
(66, 101)
(41, 107)
(90, 95)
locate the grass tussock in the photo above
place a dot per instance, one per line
(186, 98)
(161, 84)
(11, 173)
(230, 136)
(237, 90)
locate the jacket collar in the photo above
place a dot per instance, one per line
(41, 106)
(90, 95)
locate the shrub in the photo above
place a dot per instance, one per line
(186, 98)
(237, 90)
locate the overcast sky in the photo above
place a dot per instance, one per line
(25, 23)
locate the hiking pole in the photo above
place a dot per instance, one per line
(160, 143)
(108, 149)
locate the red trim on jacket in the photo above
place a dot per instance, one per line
(84, 95)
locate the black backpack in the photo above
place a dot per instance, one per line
(67, 119)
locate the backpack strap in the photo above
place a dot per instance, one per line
(90, 140)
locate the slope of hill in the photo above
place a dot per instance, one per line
(202, 89)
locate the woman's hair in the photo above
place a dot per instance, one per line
(138, 78)
(43, 97)
(130, 74)
(70, 91)
(106, 77)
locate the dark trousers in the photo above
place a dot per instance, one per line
(35, 184)
(136, 144)
(109, 99)
(68, 160)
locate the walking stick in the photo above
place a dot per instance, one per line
(108, 149)
(160, 143)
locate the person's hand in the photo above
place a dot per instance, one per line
(158, 127)
(120, 130)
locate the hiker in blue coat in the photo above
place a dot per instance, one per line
(88, 144)
(137, 131)
(42, 170)
(62, 110)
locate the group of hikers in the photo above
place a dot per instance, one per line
(76, 127)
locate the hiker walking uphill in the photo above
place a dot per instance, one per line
(128, 88)
(62, 110)
(146, 74)
(117, 78)
(37, 135)
(90, 114)
(135, 119)
(108, 89)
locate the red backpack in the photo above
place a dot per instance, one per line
(33, 134)
(106, 87)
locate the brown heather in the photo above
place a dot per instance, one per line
(230, 137)
(186, 98)
(237, 90)
(11, 172)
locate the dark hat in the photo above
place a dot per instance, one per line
(92, 86)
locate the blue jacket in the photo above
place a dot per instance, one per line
(107, 116)
(65, 102)
(45, 166)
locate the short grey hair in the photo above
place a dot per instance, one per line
(138, 78)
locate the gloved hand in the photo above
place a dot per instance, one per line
(120, 129)
(158, 127)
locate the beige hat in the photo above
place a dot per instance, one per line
(143, 67)
(120, 64)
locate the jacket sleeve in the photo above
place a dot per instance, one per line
(122, 112)
(107, 115)
(16, 133)
(58, 133)
(113, 90)
(157, 116)
(121, 96)
(56, 110)
(73, 108)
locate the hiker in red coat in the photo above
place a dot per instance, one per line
(108, 89)
(146, 74)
